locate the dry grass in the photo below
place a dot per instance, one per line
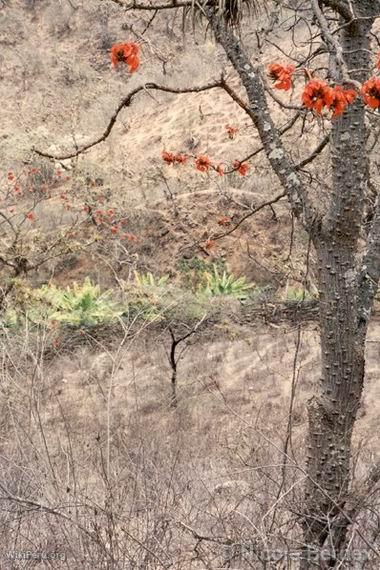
(96, 464)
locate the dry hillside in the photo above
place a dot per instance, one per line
(99, 468)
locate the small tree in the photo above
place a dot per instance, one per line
(344, 96)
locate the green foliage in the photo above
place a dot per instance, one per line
(148, 296)
(216, 283)
(83, 304)
(193, 270)
(79, 305)
(149, 280)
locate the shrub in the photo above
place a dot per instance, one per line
(149, 280)
(148, 295)
(215, 283)
(83, 304)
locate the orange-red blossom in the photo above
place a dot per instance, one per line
(231, 131)
(203, 163)
(171, 158)
(281, 75)
(241, 167)
(126, 53)
(371, 92)
(318, 94)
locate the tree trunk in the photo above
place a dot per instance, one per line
(333, 410)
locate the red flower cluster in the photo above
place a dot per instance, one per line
(281, 75)
(371, 92)
(224, 221)
(317, 95)
(339, 99)
(203, 163)
(210, 244)
(241, 167)
(171, 158)
(231, 131)
(126, 53)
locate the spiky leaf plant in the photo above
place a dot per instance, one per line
(231, 11)
(224, 283)
(80, 304)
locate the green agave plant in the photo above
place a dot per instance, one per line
(149, 280)
(80, 304)
(215, 283)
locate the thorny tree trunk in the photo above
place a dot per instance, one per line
(346, 291)
(332, 412)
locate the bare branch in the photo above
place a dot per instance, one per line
(126, 103)
(335, 47)
(251, 213)
(324, 142)
(134, 5)
(173, 359)
(251, 78)
(370, 272)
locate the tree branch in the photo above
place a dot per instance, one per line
(280, 161)
(251, 213)
(369, 275)
(334, 46)
(324, 142)
(134, 5)
(126, 103)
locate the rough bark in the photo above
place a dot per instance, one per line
(346, 292)
(332, 411)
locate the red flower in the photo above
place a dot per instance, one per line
(317, 94)
(180, 158)
(231, 131)
(202, 163)
(241, 167)
(168, 157)
(224, 221)
(210, 243)
(171, 158)
(281, 75)
(371, 92)
(11, 176)
(30, 216)
(126, 53)
(339, 99)
(114, 229)
(58, 173)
